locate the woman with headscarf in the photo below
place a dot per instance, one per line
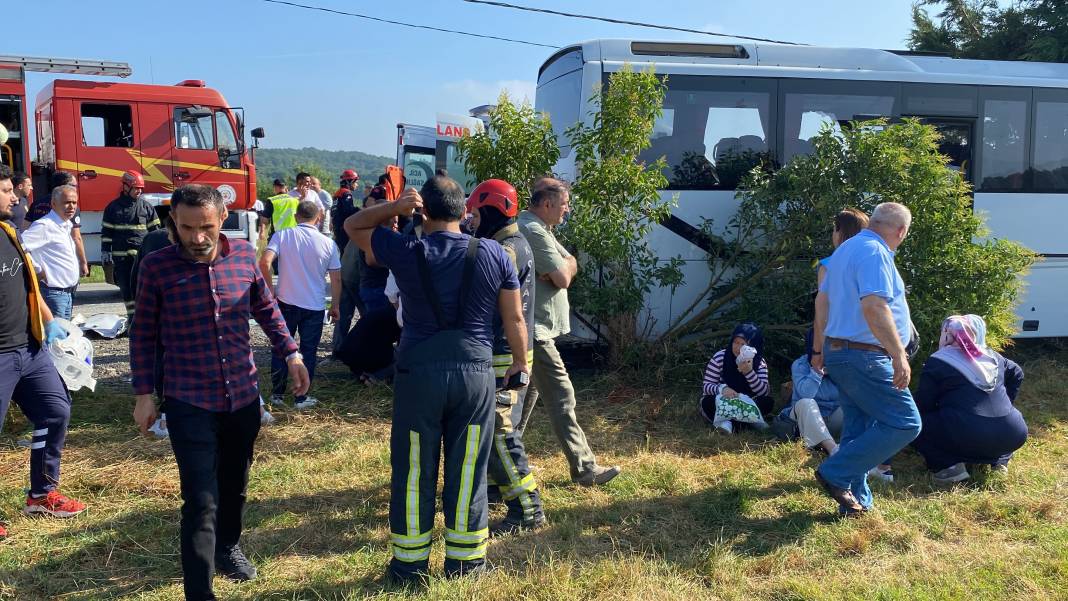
(965, 398)
(736, 369)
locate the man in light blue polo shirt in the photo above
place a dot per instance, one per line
(867, 330)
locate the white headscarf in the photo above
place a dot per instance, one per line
(963, 345)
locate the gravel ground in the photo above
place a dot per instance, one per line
(111, 357)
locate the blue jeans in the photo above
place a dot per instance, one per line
(878, 420)
(59, 300)
(307, 326)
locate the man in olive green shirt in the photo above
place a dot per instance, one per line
(556, 269)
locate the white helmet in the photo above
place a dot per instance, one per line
(73, 357)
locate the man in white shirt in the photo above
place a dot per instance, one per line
(55, 258)
(305, 258)
(326, 202)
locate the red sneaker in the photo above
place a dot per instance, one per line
(55, 505)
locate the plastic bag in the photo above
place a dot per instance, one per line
(73, 358)
(741, 408)
(745, 354)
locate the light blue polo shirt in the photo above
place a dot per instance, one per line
(863, 266)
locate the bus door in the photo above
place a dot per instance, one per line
(108, 144)
(205, 151)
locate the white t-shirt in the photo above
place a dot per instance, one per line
(393, 294)
(304, 258)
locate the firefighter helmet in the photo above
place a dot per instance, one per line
(495, 193)
(133, 179)
(349, 174)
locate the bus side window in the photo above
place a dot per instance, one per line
(107, 125)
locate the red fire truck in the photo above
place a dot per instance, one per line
(96, 130)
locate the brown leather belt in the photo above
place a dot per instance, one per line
(838, 344)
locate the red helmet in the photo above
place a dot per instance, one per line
(133, 179)
(495, 193)
(349, 174)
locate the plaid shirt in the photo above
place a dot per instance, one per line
(200, 313)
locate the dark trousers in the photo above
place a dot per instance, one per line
(307, 326)
(28, 377)
(508, 466)
(214, 453)
(443, 396)
(127, 286)
(949, 437)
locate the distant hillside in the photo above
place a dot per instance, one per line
(280, 162)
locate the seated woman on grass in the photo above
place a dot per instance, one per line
(965, 398)
(736, 370)
(813, 412)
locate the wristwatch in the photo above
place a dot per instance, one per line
(294, 355)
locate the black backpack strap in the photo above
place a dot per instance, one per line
(467, 280)
(428, 286)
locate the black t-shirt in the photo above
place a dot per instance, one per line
(15, 316)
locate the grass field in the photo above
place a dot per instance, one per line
(694, 515)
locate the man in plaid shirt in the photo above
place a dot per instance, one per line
(195, 298)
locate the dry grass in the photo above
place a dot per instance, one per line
(694, 515)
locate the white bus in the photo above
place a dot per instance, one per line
(1005, 125)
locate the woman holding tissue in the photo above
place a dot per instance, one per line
(736, 384)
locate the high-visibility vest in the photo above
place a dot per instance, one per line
(283, 211)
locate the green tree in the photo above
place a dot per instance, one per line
(766, 268)
(518, 147)
(616, 202)
(1030, 30)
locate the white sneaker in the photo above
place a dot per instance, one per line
(878, 473)
(159, 429)
(307, 403)
(277, 399)
(954, 473)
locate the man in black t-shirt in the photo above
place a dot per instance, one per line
(27, 373)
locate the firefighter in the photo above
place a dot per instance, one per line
(344, 206)
(493, 207)
(452, 287)
(125, 222)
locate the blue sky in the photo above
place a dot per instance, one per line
(340, 83)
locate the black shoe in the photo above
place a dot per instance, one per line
(233, 564)
(846, 501)
(508, 527)
(466, 568)
(406, 580)
(597, 476)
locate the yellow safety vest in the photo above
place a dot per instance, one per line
(283, 211)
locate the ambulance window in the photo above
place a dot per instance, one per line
(108, 125)
(193, 129)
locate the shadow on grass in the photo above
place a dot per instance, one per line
(671, 528)
(137, 551)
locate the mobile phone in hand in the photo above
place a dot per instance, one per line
(517, 381)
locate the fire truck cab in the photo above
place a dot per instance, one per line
(174, 135)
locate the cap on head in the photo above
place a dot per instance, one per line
(495, 193)
(133, 179)
(350, 174)
(279, 183)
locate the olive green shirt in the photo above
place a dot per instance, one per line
(551, 309)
